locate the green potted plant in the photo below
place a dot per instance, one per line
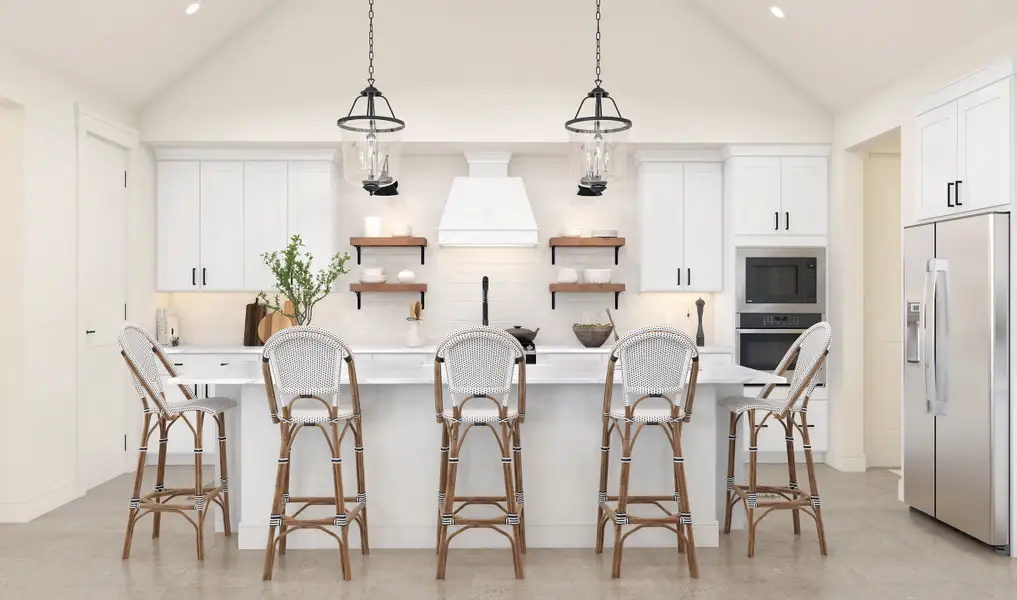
(298, 283)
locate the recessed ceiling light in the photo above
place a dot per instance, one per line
(193, 7)
(777, 11)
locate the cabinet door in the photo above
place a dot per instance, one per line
(984, 150)
(660, 204)
(804, 193)
(937, 161)
(222, 226)
(703, 226)
(177, 210)
(265, 191)
(310, 208)
(756, 195)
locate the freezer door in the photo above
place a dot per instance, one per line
(971, 347)
(919, 462)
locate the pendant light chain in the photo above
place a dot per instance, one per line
(597, 80)
(370, 42)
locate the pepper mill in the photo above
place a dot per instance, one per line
(700, 336)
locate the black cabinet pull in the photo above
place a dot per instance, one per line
(688, 278)
(89, 331)
(776, 221)
(679, 276)
(787, 221)
(194, 276)
(206, 390)
(949, 188)
(203, 282)
(223, 364)
(178, 364)
(956, 194)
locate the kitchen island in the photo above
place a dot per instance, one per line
(561, 447)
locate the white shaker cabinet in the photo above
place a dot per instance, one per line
(681, 226)
(780, 196)
(936, 133)
(179, 195)
(756, 191)
(804, 191)
(309, 210)
(265, 226)
(222, 226)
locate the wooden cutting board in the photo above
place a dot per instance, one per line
(275, 321)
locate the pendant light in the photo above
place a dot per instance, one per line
(371, 133)
(598, 134)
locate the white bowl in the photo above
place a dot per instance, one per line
(406, 276)
(572, 232)
(597, 275)
(401, 230)
(372, 271)
(568, 275)
(604, 233)
(372, 278)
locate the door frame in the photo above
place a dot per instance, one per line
(110, 130)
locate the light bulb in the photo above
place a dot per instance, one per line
(777, 12)
(193, 7)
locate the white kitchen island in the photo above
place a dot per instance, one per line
(561, 448)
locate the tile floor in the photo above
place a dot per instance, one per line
(878, 550)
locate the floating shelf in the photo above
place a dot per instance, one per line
(586, 242)
(587, 288)
(389, 288)
(389, 242)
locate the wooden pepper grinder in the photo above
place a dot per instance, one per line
(700, 336)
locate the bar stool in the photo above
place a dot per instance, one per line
(143, 354)
(303, 371)
(657, 363)
(479, 362)
(807, 354)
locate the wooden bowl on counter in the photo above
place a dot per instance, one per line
(592, 336)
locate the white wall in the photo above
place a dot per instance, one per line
(891, 108)
(485, 72)
(519, 277)
(44, 408)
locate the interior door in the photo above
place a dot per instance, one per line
(804, 189)
(702, 227)
(265, 191)
(984, 148)
(937, 161)
(102, 294)
(222, 226)
(178, 206)
(661, 194)
(757, 194)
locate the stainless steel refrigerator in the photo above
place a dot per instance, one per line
(956, 413)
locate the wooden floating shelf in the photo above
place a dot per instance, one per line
(389, 242)
(587, 288)
(586, 242)
(389, 288)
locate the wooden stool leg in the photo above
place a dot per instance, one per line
(199, 486)
(792, 476)
(605, 451)
(224, 476)
(623, 494)
(135, 503)
(672, 430)
(450, 492)
(684, 505)
(276, 517)
(732, 441)
(517, 466)
(813, 487)
(512, 518)
(160, 474)
(340, 503)
(753, 496)
(283, 528)
(442, 480)
(358, 449)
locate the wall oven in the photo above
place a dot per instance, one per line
(764, 338)
(781, 280)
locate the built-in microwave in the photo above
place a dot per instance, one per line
(781, 280)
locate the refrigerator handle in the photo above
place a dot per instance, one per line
(937, 302)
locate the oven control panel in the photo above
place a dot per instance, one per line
(778, 320)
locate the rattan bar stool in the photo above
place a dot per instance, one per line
(143, 354)
(479, 362)
(303, 371)
(658, 365)
(807, 354)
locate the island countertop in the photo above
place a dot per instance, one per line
(428, 349)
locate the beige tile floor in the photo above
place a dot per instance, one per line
(878, 550)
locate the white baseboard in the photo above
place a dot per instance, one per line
(27, 510)
(847, 464)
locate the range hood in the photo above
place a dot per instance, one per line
(488, 208)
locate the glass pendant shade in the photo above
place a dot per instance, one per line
(371, 142)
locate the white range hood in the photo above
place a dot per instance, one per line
(488, 208)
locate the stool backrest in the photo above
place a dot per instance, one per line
(143, 354)
(306, 361)
(478, 362)
(656, 361)
(808, 353)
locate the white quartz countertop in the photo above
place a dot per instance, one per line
(605, 349)
(250, 373)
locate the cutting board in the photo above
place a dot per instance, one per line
(275, 322)
(254, 314)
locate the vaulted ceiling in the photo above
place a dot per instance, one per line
(837, 51)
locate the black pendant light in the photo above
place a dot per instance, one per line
(371, 133)
(598, 135)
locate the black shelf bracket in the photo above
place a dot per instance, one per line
(358, 293)
(616, 249)
(616, 296)
(423, 304)
(358, 260)
(554, 249)
(422, 249)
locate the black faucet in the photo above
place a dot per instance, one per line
(483, 283)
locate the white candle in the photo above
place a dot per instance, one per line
(372, 226)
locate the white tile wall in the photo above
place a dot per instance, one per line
(519, 277)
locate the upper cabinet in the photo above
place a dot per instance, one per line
(681, 216)
(775, 195)
(217, 217)
(963, 144)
